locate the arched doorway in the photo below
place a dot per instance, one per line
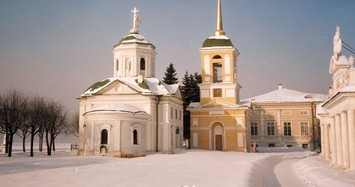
(217, 136)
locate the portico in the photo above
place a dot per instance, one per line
(337, 116)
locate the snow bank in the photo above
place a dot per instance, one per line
(318, 172)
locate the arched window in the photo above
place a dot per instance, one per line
(217, 57)
(117, 65)
(135, 137)
(217, 72)
(104, 135)
(142, 63)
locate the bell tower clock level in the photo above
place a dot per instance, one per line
(219, 66)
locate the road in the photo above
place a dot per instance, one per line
(277, 171)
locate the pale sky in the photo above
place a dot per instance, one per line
(57, 49)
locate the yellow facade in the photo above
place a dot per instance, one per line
(217, 122)
(207, 125)
(300, 116)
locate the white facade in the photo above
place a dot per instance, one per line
(337, 114)
(132, 113)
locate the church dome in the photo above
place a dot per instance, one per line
(134, 38)
(217, 41)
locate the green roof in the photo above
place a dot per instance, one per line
(216, 42)
(132, 37)
(98, 85)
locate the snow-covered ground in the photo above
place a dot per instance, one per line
(184, 168)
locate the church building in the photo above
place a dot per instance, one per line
(131, 113)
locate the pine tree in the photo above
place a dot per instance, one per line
(186, 89)
(170, 75)
(191, 93)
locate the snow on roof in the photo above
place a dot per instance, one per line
(320, 109)
(115, 107)
(223, 37)
(282, 95)
(134, 38)
(347, 89)
(195, 105)
(342, 61)
(98, 86)
(147, 86)
(171, 88)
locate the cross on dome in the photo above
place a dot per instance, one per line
(136, 21)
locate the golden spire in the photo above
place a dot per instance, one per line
(219, 31)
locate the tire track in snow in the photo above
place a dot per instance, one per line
(263, 172)
(276, 171)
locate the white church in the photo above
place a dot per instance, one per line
(131, 113)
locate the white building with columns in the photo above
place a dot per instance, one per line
(131, 113)
(337, 113)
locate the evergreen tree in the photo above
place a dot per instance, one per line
(186, 89)
(170, 75)
(191, 93)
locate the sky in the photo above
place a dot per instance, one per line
(57, 49)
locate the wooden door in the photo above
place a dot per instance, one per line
(219, 144)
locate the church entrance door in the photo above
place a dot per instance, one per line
(217, 136)
(219, 146)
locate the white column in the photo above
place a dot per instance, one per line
(333, 147)
(322, 135)
(344, 139)
(351, 131)
(278, 127)
(338, 141)
(326, 141)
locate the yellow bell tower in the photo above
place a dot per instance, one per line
(219, 66)
(218, 122)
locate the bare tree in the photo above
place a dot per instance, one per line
(72, 126)
(25, 127)
(12, 110)
(36, 110)
(56, 123)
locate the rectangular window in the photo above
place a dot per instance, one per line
(270, 128)
(254, 128)
(171, 113)
(271, 145)
(304, 129)
(217, 92)
(303, 112)
(217, 72)
(287, 129)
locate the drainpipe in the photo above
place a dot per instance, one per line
(157, 118)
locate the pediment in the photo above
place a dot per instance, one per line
(219, 104)
(117, 88)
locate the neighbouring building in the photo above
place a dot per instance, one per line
(284, 118)
(337, 113)
(131, 113)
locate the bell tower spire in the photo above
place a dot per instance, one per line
(219, 31)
